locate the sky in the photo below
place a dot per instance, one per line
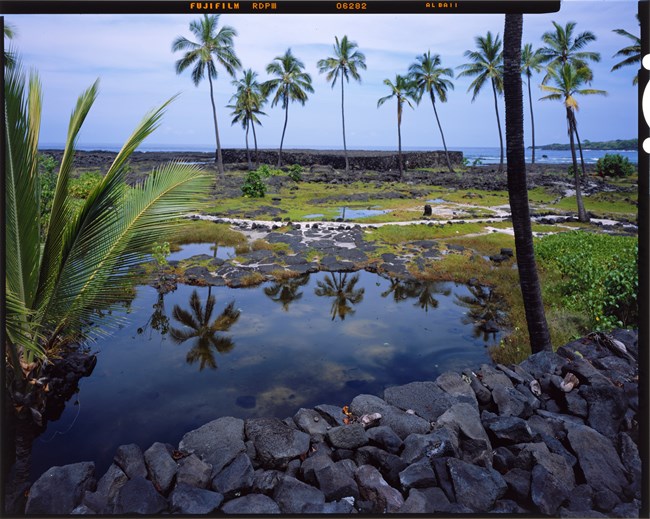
(132, 57)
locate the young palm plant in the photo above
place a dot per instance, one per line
(345, 62)
(402, 90)
(518, 189)
(292, 84)
(248, 101)
(55, 287)
(486, 63)
(632, 53)
(568, 82)
(212, 45)
(427, 76)
(531, 61)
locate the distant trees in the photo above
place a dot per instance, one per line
(212, 45)
(486, 64)
(531, 61)
(345, 63)
(291, 84)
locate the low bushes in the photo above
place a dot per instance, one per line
(614, 165)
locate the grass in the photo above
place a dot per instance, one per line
(205, 231)
(603, 204)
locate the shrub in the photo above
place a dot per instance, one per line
(614, 165)
(600, 276)
(82, 186)
(295, 172)
(266, 171)
(254, 186)
(46, 167)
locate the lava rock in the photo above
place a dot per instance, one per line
(476, 487)
(251, 504)
(347, 436)
(439, 443)
(130, 459)
(336, 483)
(388, 464)
(60, 489)
(138, 496)
(194, 472)
(162, 467)
(186, 499)
(418, 475)
(607, 406)
(310, 421)
(217, 442)
(276, 443)
(510, 429)
(401, 422)
(295, 497)
(103, 499)
(373, 487)
(235, 478)
(425, 501)
(385, 438)
(546, 491)
(425, 398)
(454, 385)
(518, 481)
(333, 415)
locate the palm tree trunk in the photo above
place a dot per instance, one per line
(496, 108)
(582, 160)
(399, 139)
(286, 118)
(518, 189)
(582, 214)
(444, 144)
(248, 151)
(532, 119)
(218, 157)
(345, 148)
(257, 155)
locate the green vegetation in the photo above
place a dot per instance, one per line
(295, 172)
(618, 144)
(599, 275)
(254, 186)
(632, 53)
(205, 231)
(614, 165)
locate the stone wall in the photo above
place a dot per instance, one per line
(555, 435)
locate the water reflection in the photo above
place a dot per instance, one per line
(423, 291)
(286, 292)
(158, 321)
(198, 327)
(486, 311)
(338, 286)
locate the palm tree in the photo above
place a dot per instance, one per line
(292, 84)
(402, 90)
(55, 287)
(212, 44)
(427, 76)
(286, 292)
(633, 52)
(343, 291)
(487, 63)
(345, 63)
(563, 48)
(531, 61)
(198, 326)
(568, 81)
(9, 33)
(423, 291)
(248, 101)
(518, 189)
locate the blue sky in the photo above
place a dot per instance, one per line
(131, 54)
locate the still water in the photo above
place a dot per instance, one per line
(262, 351)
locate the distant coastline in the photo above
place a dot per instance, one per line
(617, 145)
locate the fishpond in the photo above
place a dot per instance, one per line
(178, 361)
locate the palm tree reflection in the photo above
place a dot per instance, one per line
(198, 326)
(423, 291)
(343, 291)
(286, 292)
(159, 320)
(486, 310)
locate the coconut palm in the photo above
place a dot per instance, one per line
(212, 45)
(55, 287)
(568, 82)
(531, 61)
(402, 90)
(248, 101)
(286, 292)
(343, 291)
(562, 47)
(345, 63)
(9, 33)
(198, 325)
(292, 84)
(486, 63)
(632, 53)
(427, 76)
(518, 189)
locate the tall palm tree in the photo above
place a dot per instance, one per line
(562, 47)
(212, 45)
(531, 61)
(345, 62)
(486, 63)
(427, 76)
(569, 80)
(286, 292)
(9, 33)
(343, 291)
(292, 84)
(518, 189)
(632, 53)
(55, 286)
(402, 90)
(248, 101)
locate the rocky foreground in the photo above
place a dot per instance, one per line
(556, 435)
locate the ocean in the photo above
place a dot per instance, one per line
(473, 154)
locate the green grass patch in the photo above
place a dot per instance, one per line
(205, 231)
(603, 204)
(396, 234)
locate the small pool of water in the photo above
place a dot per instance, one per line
(353, 214)
(311, 340)
(437, 201)
(312, 216)
(194, 249)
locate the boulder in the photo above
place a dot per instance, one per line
(439, 443)
(194, 472)
(217, 442)
(607, 406)
(455, 386)
(425, 398)
(252, 504)
(512, 402)
(162, 467)
(373, 487)
(130, 459)
(103, 499)
(384, 438)
(138, 496)
(295, 497)
(235, 478)
(418, 475)
(544, 362)
(493, 378)
(400, 421)
(347, 436)
(629, 454)
(311, 465)
(333, 415)
(60, 489)
(547, 492)
(388, 464)
(425, 501)
(476, 487)
(276, 443)
(336, 483)
(518, 481)
(510, 429)
(311, 422)
(465, 422)
(186, 499)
